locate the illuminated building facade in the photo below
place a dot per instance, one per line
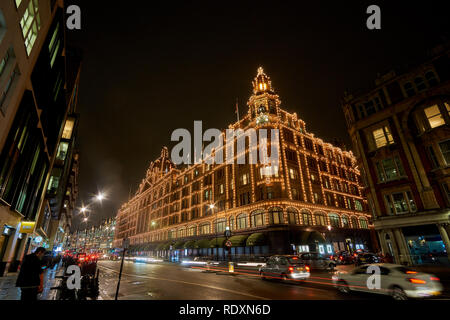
(313, 201)
(38, 90)
(400, 132)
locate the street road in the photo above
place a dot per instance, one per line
(165, 281)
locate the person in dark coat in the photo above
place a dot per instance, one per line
(30, 276)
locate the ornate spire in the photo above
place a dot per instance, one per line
(262, 83)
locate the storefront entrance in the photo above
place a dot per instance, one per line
(425, 245)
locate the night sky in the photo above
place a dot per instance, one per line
(151, 67)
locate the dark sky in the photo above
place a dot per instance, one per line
(151, 67)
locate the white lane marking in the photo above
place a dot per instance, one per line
(191, 283)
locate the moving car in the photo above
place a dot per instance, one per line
(343, 257)
(366, 258)
(284, 267)
(317, 262)
(398, 281)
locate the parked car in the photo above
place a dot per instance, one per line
(343, 257)
(317, 262)
(398, 281)
(366, 258)
(284, 267)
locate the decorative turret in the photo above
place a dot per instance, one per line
(263, 104)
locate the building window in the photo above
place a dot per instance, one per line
(434, 116)
(432, 156)
(445, 150)
(220, 225)
(321, 219)
(62, 151)
(345, 222)
(257, 218)
(382, 137)
(276, 216)
(363, 223)
(358, 205)
(221, 189)
(334, 220)
(307, 218)
(204, 229)
(31, 24)
(400, 202)
(446, 188)
(245, 179)
(231, 223)
(293, 174)
(390, 169)
(8, 86)
(242, 221)
(292, 216)
(354, 223)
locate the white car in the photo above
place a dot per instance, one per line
(398, 281)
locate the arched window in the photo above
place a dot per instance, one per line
(182, 233)
(242, 221)
(192, 231)
(321, 219)
(231, 223)
(204, 229)
(334, 220)
(345, 222)
(257, 218)
(220, 225)
(307, 218)
(292, 216)
(354, 223)
(172, 234)
(276, 215)
(363, 223)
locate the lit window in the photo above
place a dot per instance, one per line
(31, 24)
(382, 137)
(434, 116)
(401, 202)
(358, 205)
(62, 151)
(68, 128)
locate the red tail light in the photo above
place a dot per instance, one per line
(307, 268)
(291, 269)
(416, 281)
(411, 272)
(435, 279)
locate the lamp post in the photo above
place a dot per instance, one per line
(212, 207)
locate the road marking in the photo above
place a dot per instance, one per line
(191, 283)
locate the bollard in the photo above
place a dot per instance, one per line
(231, 267)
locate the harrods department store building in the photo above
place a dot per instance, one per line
(313, 202)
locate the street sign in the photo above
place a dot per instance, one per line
(229, 244)
(227, 234)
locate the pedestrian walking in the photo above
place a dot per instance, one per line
(30, 279)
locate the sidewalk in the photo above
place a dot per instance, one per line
(8, 290)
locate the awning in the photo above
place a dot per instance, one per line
(189, 244)
(311, 237)
(160, 246)
(179, 245)
(219, 244)
(203, 243)
(256, 239)
(238, 241)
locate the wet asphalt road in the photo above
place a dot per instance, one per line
(174, 282)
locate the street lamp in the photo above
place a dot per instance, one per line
(100, 197)
(212, 207)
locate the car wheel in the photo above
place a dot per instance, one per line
(398, 293)
(343, 287)
(284, 277)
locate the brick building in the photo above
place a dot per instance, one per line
(401, 137)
